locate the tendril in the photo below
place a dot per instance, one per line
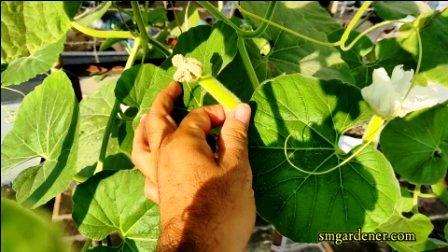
(345, 161)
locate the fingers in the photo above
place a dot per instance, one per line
(159, 122)
(233, 138)
(151, 191)
(200, 121)
(140, 146)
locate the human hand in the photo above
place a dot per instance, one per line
(206, 200)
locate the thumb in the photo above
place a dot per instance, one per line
(233, 138)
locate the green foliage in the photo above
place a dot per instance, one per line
(418, 224)
(308, 98)
(45, 127)
(290, 54)
(139, 85)
(94, 113)
(417, 145)
(433, 30)
(360, 193)
(114, 203)
(390, 10)
(26, 230)
(33, 34)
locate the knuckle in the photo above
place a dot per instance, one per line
(237, 135)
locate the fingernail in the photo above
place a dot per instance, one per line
(242, 113)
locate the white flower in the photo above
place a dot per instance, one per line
(188, 69)
(347, 143)
(392, 97)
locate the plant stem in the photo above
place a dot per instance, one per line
(219, 92)
(102, 156)
(99, 33)
(415, 198)
(262, 27)
(420, 51)
(218, 15)
(247, 63)
(144, 33)
(374, 128)
(353, 22)
(14, 90)
(346, 48)
(86, 245)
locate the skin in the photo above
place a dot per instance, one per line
(206, 199)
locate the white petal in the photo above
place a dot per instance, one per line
(382, 98)
(347, 143)
(421, 97)
(188, 69)
(401, 80)
(379, 76)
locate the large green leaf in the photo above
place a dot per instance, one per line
(418, 225)
(434, 35)
(139, 86)
(26, 230)
(390, 10)
(25, 68)
(417, 145)
(45, 127)
(94, 114)
(32, 37)
(213, 47)
(115, 203)
(361, 193)
(290, 54)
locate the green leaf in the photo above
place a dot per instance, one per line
(25, 68)
(156, 16)
(26, 230)
(419, 224)
(31, 31)
(391, 10)
(406, 202)
(93, 14)
(361, 193)
(115, 203)
(110, 42)
(440, 189)
(71, 8)
(45, 127)
(139, 86)
(434, 35)
(189, 17)
(417, 145)
(94, 114)
(290, 54)
(214, 47)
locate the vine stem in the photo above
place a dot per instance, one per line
(99, 33)
(371, 136)
(144, 33)
(353, 22)
(415, 198)
(102, 156)
(368, 30)
(14, 90)
(247, 63)
(420, 51)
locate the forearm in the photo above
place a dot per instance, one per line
(207, 224)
